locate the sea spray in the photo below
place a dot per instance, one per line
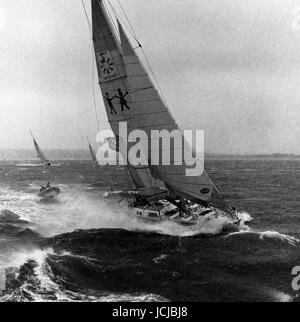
(87, 211)
(81, 208)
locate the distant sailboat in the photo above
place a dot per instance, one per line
(162, 192)
(2, 161)
(3, 156)
(93, 155)
(40, 153)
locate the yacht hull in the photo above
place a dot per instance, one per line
(194, 215)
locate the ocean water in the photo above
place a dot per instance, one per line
(84, 246)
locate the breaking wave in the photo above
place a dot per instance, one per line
(271, 235)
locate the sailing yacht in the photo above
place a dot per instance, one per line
(3, 156)
(162, 192)
(93, 155)
(2, 161)
(40, 153)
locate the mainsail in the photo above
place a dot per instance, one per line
(130, 96)
(40, 153)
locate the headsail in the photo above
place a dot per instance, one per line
(131, 97)
(40, 153)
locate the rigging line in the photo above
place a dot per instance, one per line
(124, 24)
(31, 134)
(218, 191)
(93, 60)
(154, 76)
(144, 54)
(87, 17)
(130, 25)
(94, 90)
(110, 17)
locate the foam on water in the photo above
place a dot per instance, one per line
(245, 217)
(282, 237)
(98, 213)
(268, 235)
(213, 227)
(41, 286)
(281, 297)
(81, 208)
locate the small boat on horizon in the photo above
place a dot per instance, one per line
(45, 162)
(40, 153)
(93, 155)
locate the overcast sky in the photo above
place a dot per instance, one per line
(230, 67)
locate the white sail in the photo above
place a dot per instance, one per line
(121, 75)
(40, 153)
(93, 155)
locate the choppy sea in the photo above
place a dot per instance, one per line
(84, 246)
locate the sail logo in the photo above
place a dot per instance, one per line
(106, 65)
(296, 280)
(162, 148)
